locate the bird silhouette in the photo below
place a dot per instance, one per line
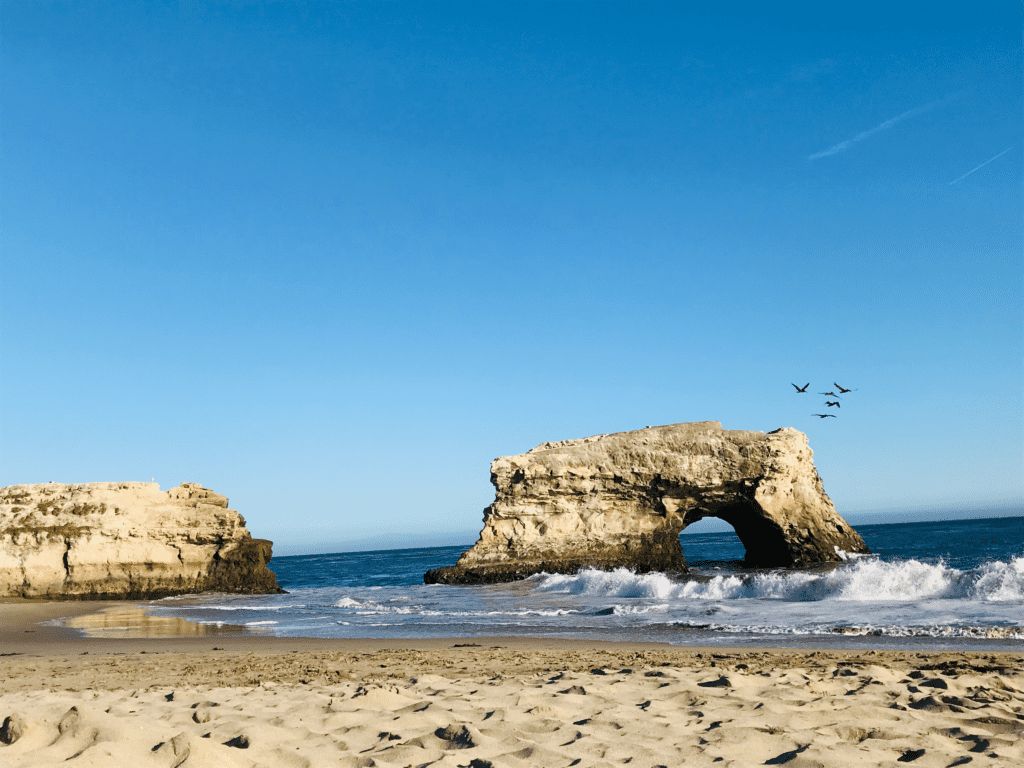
(824, 415)
(798, 389)
(829, 394)
(843, 389)
(829, 403)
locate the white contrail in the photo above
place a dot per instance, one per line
(981, 166)
(843, 145)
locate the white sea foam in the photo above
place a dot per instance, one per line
(867, 629)
(375, 609)
(618, 583)
(458, 614)
(638, 610)
(719, 588)
(1001, 581)
(215, 607)
(372, 608)
(860, 580)
(844, 555)
(904, 581)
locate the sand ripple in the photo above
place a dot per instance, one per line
(480, 707)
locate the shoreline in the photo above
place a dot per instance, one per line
(124, 626)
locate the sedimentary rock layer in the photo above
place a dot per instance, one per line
(621, 500)
(125, 540)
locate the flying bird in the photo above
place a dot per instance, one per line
(843, 389)
(829, 403)
(829, 394)
(824, 415)
(804, 389)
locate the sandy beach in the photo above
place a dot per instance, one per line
(153, 696)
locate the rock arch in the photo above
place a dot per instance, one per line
(621, 500)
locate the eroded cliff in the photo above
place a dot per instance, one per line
(125, 540)
(621, 500)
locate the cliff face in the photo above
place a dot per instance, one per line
(125, 540)
(621, 500)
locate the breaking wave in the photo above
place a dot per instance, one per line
(861, 580)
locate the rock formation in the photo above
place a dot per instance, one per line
(621, 500)
(125, 540)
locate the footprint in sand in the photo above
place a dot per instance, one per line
(12, 729)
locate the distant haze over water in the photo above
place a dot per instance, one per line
(466, 538)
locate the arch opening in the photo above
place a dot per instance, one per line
(764, 544)
(711, 542)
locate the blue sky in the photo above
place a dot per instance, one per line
(331, 259)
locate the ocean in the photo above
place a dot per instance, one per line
(936, 585)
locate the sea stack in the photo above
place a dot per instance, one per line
(621, 500)
(126, 540)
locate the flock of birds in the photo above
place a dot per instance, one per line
(803, 390)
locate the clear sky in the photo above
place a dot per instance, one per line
(331, 259)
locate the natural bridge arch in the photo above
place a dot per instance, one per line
(622, 500)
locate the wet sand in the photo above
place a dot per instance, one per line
(159, 693)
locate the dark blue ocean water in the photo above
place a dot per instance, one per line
(936, 584)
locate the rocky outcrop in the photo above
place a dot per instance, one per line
(621, 500)
(125, 540)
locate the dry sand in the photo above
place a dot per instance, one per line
(238, 700)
